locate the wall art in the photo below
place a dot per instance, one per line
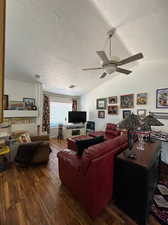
(101, 103)
(162, 98)
(113, 109)
(127, 101)
(142, 99)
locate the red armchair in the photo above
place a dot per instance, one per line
(109, 133)
(90, 178)
(111, 130)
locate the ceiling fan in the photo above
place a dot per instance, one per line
(108, 65)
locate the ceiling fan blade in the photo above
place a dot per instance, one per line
(97, 68)
(103, 57)
(130, 59)
(103, 75)
(121, 70)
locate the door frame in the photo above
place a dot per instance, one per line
(2, 53)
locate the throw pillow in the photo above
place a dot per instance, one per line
(24, 138)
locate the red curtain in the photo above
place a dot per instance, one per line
(46, 114)
(74, 105)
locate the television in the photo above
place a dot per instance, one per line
(76, 117)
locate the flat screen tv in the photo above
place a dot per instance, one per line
(76, 117)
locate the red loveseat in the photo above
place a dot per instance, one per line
(109, 133)
(90, 177)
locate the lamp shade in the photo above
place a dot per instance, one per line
(131, 122)
(151, 121)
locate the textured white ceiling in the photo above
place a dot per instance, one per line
(56, 38)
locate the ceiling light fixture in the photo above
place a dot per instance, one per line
(72, 86)
(37, 76)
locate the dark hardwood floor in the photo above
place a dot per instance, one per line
(35, 196)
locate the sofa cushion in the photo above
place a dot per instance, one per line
(111, 126)
(98, 150)
(83, 144)
(113, 133)
(115, 145)
(26, 152)
(24, 138)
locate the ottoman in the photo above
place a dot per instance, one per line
(97, 133)
(71, 142)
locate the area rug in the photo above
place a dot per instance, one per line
(160, 199)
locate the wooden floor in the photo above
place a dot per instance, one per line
(35, 196)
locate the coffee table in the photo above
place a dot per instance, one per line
(72, 141)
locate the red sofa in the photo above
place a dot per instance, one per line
(90, 177)
(110, 132)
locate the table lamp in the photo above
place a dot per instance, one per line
(149, 121)
(131, 123)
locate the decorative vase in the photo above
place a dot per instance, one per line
(141, 143)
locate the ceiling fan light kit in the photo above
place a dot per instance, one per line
(110, 66)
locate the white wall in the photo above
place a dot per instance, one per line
(16, 91)
(147, 77)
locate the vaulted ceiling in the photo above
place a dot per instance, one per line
(57, 38)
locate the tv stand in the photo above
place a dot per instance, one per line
(75, 126)
(74, 130)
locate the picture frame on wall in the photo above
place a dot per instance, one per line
(127, 101)
(113, 109)
(101, 103)
(142, 99)
(16, 105)
(29, 103)
(126, 113)
(101, 114)
(112, 100)
(141, 113)
(5, 102)
(162, 98)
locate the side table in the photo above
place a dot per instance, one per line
(13, 145)
(136, 180)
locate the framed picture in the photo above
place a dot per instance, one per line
(126, 113)
(101, 114)
(112, 100)
(141, 113)
(162, 98)
(127, 101)
(29, 103)
(16, 105)
(101, 103)
(113, 109)
(5, 102)
(142, 99)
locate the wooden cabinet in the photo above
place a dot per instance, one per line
(135, 181)
(73, 132)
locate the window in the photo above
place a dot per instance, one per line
(59, 113)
